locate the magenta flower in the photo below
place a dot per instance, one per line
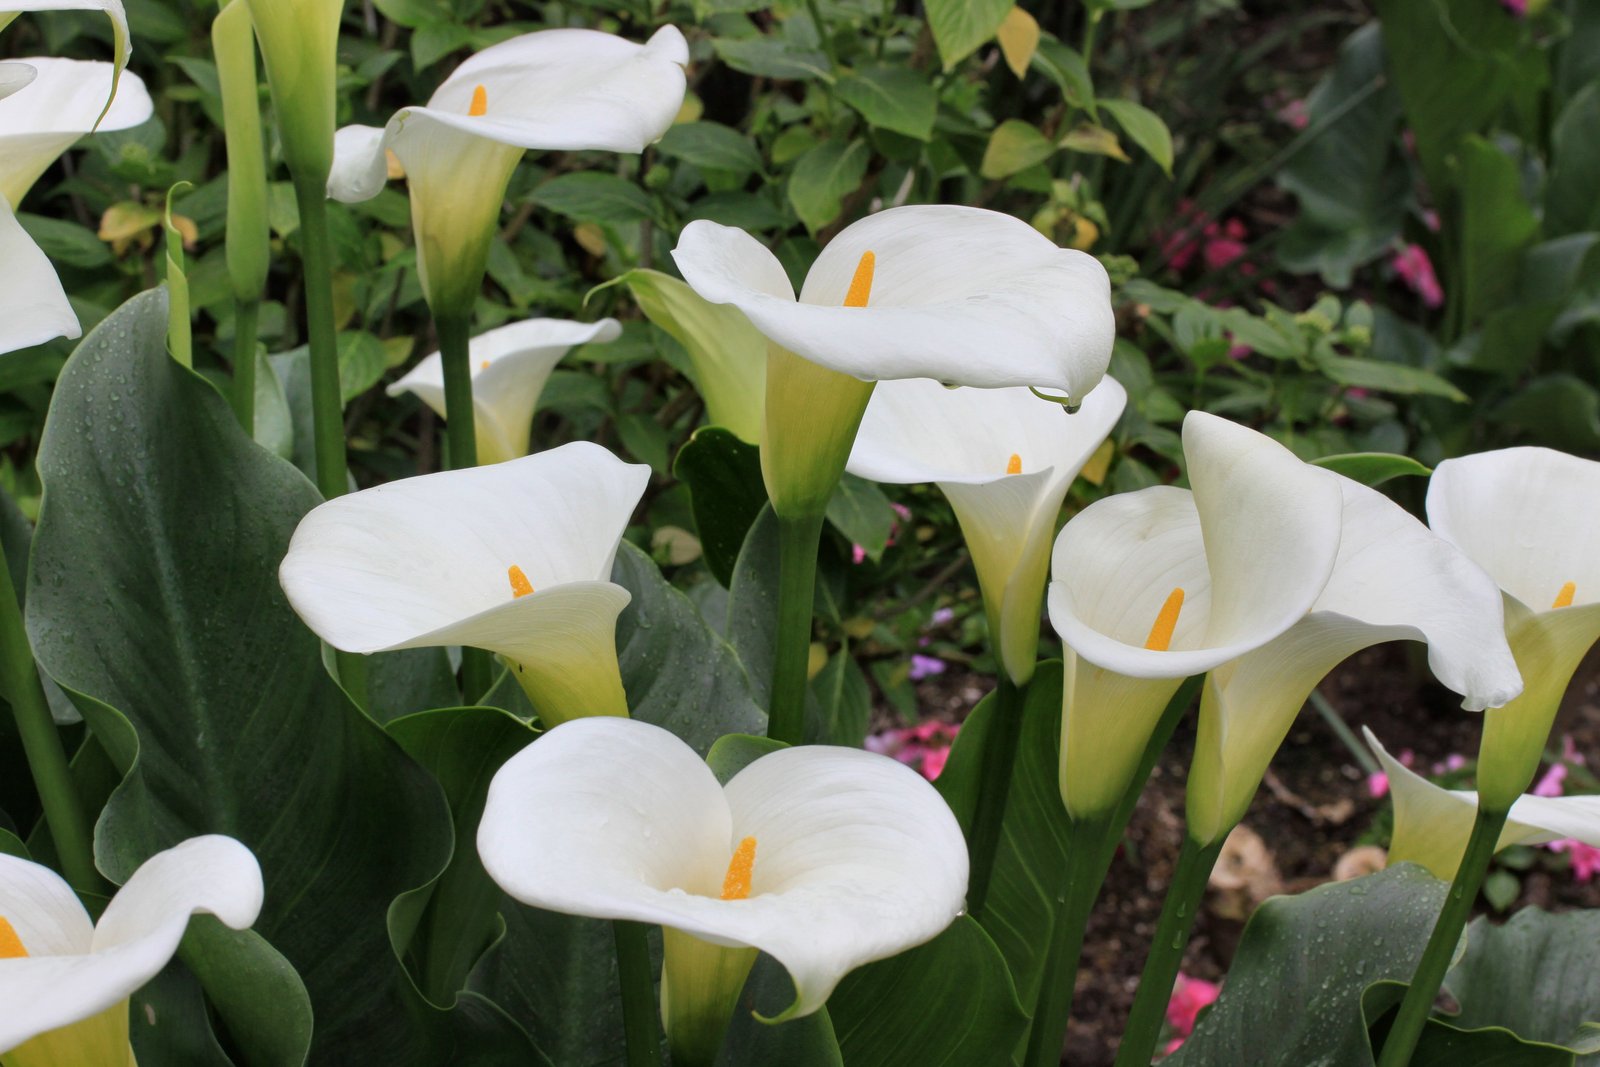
(1518, 8)
(1414, 267)
(1189, 996)
(926, 667)
(857, 554)
(1551, 784)
(1377, 785)
(942, 616)
(1295, 114)
(1585, 859)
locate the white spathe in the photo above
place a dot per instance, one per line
(122, 44)
(65, 101)
(426, 561)
(916, 430)
(1529, 517)
(856, 857)
(77, 970)
(1393, 580)
(961, 295)
(33, 306)
(1251, 547)
(1432, 823)
(510, 366)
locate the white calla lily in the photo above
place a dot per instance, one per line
(65, 101)
(33, 306)
(1005, 460)
(824, 858)
(563, 89)
(299, 42)
(1393, 580)
(121, 42)
(514, 558)
(1150, 587)
(15, 76)
(65, 980)
(510, 366)
(1432, 823)
(1527, 516)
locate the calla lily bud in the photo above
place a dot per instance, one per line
(299, 42)
(249, 244)
(65, 980)
(1528, 517)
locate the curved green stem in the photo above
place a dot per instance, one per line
(1418, 1003)
(640, 1024)
(327, 405)
(1090, 848)
(247, 315)
(994, 788)
(798, 540)
(461, 434)
(41, 743)
(1185, 893)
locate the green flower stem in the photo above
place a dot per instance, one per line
(1185, 893)
(1436, 958)
(47, 759)
(799, 537)
(640, 1023)
(994, 787)
(1096, 841)
(461, 433)
(246, 317)
(327, 405)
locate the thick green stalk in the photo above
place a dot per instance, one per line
(461, 432)
(1185, 893)
(1090, 848)
(799, 537)
(1436, 958)
(47, 759)
(327, 405)
(640, 1022)
(247, 314)
(994, 788)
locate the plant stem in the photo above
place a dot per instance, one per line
(327, 406)
(994, 787)
(246, 317)
(47, 759)
(1185, 893)
(1418, 1003)
(1090, 846)
(639, 1018)
(798, 540)
(461, 431)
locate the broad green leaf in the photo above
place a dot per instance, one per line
(1445, 1045)
(1570, 203)
(1014, 145)
(725, 491)
(1304, 962)
(961, 26)
(1144, 128)
(823, 177)
(729, 355)
(859, 510)
(256, 992)
(753, 603)
(948, 1003)
(711, 146)
(1497, 225)
(891, 97)
(210, 693)
(733, 753)
(362, 361)
(66, 243)
(1064, 65)
(594, 196)
(771, 57)
(1534, 975)
(803, 1042)
(1558, 409)
(1388, 377)
(1373, 468)
(843, 700)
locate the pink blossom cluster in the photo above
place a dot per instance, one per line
(1189, 996)
(925, 746)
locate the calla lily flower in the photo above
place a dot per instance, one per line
(15, 76)
(65, 980)
(1005, 459)
(65, 101)
(510, 366)
(1150, 587)
(1394, 579)
(960, 295)
(33, 306)
(1527, 516)
(121, 43)
(299, 42)
(1432, 823)
(824, 858)
(514, 558)
(563, 89)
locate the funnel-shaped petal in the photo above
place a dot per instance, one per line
(58, 969)
(1432, 824)
(847, 857)
(515, 558)
(33, 306)
(510, 366)
(64, 102)
(1005, 459)
(121, 43)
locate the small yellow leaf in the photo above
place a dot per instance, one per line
(1095, 140)
(816, 659)
(187, 230)
(693, 107)
(1019, 39)
(1084, 234)
(127, 219)
(590, 237)
(1094, 471)
(860, 627)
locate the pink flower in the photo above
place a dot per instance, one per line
(1188, 997)
(925, 667)
(1450, 764)
(933, 762)
(1414, 267)
(1377, 785)
(1224, 243)
(857, 554)
(1550, 785)
(1296, 114)
(1519, 8)
(1585, 859)
(942, 617)
(1569, 751)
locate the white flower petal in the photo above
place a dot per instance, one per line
(122, 46)
(15, 76)
(510, 366)
(135, 938)
(45, 913)
(33, 306)
(63, 103)
(1527, 516)
(961, 295)
(360, 165)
